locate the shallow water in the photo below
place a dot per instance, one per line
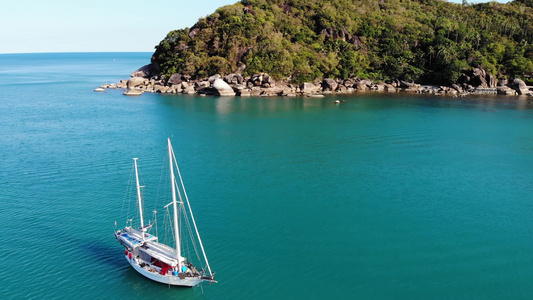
(380, 197)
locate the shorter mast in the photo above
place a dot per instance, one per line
(174, 204)
(139, 197)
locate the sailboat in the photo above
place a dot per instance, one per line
(158, 261)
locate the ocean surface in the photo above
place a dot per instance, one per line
(381, 197)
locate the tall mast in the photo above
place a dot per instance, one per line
(174, 204)
(139, 197)
(193, 221)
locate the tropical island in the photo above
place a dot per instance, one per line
(290, 47)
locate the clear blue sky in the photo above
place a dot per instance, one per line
(96, 25)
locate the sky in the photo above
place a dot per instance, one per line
(34, 26)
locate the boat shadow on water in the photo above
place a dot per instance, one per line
(107, 256)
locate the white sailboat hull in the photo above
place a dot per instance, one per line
(166, 279)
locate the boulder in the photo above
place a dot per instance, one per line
(213, 78)
(307, 87)
(244, 93)
(255, 91)
(99, 89)
(257, 79)
(176, 78)
(492, 82)
(234, 78)
(378, 87)
(505, 90)
(223, 89)
(329, 84)
(349, 83)
(239, 87)
(520, 86)
(144, 72)
(188, 90)
(133, 92)
(341, 89)
(479, 78)
(409, 85)
(268, 81)
(363, 85)
(160, 88)
(135, 82)
(202, 84)
(389, 88)
(503, 82)
(457, 88)
(463, 79)
(270, 92)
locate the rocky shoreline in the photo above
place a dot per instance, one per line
(475, 82)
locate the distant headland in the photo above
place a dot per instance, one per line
(289, 48)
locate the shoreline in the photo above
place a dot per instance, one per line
(262, 85)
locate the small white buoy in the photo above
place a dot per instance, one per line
(337, 101)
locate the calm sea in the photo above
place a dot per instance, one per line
(380, 197)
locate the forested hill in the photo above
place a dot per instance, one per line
(426, 41)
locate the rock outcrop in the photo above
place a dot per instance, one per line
(476, 81)
(520, 86)
(135, 82)
(144, 72)
(222, 88)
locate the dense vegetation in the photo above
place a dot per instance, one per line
(426, 41)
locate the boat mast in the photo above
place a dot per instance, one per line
(139, 197)
(174, 204)
(192, 217)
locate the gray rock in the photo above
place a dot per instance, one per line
(223, 88)
(133, 92)
(244, 93)
(410, 85)
(503, 82)
(379, 87)
(479, 78)
(268, 80)
(144, 72)
(505, 90)
(176, 78)
(389, 88)
(161, 88)
(255, 91)
(99, 89)
(257, 79)
(363, 85)
(341, 89)
(520, 86)
(202, 84)
(329, 84)
(239, 87)
(307, 87)
(135, 82)
(492, 82)
(234, 78)
(189, 90)
(213, 78)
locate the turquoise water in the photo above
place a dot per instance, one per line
(381, 197)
